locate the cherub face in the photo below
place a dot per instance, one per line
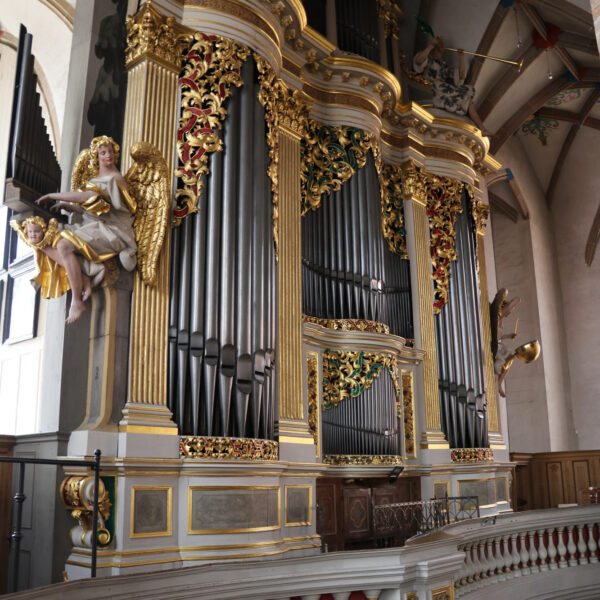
(106, 155)
(35, 233)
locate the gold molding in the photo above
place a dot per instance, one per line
(148, 429)
(331, 97)
(191, 489)
(348, 324)
(310, 503)
(471, 455)
(359, 459)
(223, 448)
(169, 530)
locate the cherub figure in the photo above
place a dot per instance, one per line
(450, 92)
(500, 309)
(120, 215)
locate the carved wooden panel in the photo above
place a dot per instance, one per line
(357, 513)
(547, 479)
(6, 449)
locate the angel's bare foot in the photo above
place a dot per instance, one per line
(76, 309)
(87, 287)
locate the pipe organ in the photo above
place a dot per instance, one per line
(223, 286)
(459, 344)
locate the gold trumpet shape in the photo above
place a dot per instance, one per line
(527, 353)
(516, 63)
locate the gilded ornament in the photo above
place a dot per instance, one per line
(313, 397)
(330, 156)
(228, 448)
(472, 455)
(391, 13)
(445, 593)
(283, 108)
(348, 324)
(152, 35)
(359, 459)
(348, 374)
(480, 213)
(77, 494)
(392, 207)
(212, 65)
(408, 407)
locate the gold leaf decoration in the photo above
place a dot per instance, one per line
(228, 448)
(330, 156)
(313, 397)
(348, 324)
(148, 181)
(212, 65)
(392, 208)
(360, 459)
(408, 402)
(283, 108)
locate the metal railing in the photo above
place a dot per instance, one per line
(19, 498)
(394, 523)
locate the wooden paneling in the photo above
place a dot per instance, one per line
(6, 449)
(346, 506)
(547, 479)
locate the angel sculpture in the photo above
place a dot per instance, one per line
(120, 216)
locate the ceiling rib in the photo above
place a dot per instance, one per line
(503, 206)
(564, 151)
(592, 241)
(560, 114)
(530, 107)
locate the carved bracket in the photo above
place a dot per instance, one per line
(77, 494)
(212, 65)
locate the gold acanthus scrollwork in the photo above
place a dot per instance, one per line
(472, 455)
(313, 397)
(391, 13)
(330, 156)
(347, 374)
(408, 405)
(210, 447)
(392, 207)
(152, 35)
(77, 494)
(360, 459)
(442, 198)
(212, 64)
(348, 324)
(283, 108)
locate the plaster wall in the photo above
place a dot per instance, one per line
(559, 419)
(574, 207)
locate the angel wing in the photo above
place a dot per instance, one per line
(148, 181)
(82, 172)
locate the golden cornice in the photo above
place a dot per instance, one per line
(340, 98)
(241, 11)
(319, 39)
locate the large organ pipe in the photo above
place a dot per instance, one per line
(243, 294)
(172, 333)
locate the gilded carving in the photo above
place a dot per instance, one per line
(480, 212)
(442, 197)
(313, 397)
(359, 459)
(152, 35)
(330, 156)
(212, 65)
(391, 13)
(408, 407)
(228, 448)
(77, 494)
(472, 455)
(445, 593)
(392, 207)
(283, 108)
(348, 324)
(348, 374)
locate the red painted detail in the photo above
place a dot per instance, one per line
(553, 31)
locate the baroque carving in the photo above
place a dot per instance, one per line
(152, 35)
(330, 156)
(228, 448)
(77, 494)
(363, 325)
(392, 208)
(359, 459)
(391, 14)
(313, 397)
(408, 407)
(283, 108)
(472, 455)
(212, 65)
(348, 374)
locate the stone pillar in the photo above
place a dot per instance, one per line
(417, 243)
(295, 440)
(151, 115)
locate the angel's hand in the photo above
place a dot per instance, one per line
(68, 206)
(46, 199)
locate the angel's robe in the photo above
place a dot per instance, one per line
(105, 231)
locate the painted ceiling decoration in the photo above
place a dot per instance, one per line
(564, 97)
(538, 126)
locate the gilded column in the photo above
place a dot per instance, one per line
(480, 215)
(417, 232)
(153, 66)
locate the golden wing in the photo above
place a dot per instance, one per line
(82, 171)
(148, 181)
